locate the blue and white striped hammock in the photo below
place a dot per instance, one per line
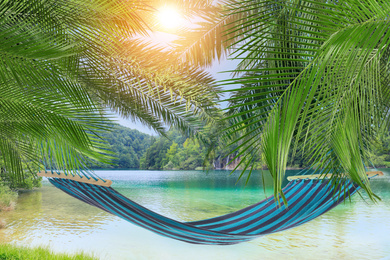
(307, 199)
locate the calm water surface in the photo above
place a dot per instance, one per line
(358, 229)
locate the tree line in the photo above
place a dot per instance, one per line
(133, 149)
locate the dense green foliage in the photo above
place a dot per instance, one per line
(380, 156)
(7, 197)
(28, 180)
(135, 150)
(174, 152)
(127, 145)
(9, 252)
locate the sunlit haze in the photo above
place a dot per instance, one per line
(169, 17)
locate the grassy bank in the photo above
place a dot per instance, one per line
(10, 252)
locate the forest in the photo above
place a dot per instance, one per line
(133, 149)
(128, 147)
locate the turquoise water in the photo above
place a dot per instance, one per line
(358, 229)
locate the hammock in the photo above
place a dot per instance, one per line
(308, 198)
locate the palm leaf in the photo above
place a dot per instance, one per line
(312, 73)
(64, 62)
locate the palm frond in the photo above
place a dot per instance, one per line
(64, 62)
(210, 37)
(312, 75)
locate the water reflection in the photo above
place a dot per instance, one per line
(356, 229)
(46, 212)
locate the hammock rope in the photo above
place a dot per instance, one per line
(307, 199)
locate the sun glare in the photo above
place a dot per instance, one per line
(169, 17)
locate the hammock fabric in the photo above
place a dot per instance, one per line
(307, 199)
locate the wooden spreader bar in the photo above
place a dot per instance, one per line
(323, 176)
(75, 178)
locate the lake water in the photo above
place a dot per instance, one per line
(359, 229)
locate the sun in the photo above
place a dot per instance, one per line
(169, 17)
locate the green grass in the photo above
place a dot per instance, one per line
(9, 252)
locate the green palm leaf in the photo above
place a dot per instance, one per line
(65, 62)
(313, 75)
